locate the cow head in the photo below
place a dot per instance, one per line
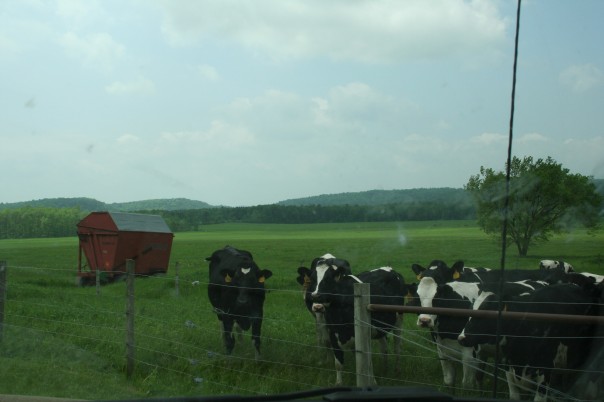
(327, 289)
(426, 290)
(439, 271)
(248, 281)
(311, 278)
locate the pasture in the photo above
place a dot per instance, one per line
(66, 341)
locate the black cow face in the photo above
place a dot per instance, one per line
(248, 282)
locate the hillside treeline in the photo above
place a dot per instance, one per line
(32, 222)
(193, 220)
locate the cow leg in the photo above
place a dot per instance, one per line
(384, 351)
(227, 334)
(397, 334)
(322, 335)
(256, 329)
(447, 365)
(469, 364)
(239, 332)
(513, 388)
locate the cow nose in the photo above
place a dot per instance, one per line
(424, 321)
(318, 308)
(462, 340)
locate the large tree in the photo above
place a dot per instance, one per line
(544, 199)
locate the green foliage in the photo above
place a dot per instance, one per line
(29, 222)
(544, 199)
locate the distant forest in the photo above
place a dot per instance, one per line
(58, 217)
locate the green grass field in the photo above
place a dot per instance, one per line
(66, 341)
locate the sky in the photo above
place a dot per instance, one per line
(243, 103)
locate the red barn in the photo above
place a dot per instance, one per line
(108, 239)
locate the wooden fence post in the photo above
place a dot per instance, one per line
(98, 282)
(129, 318)
(2, 295)
(362, 335)
(176, 282)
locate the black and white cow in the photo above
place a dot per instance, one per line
(556, 265)
(457, 287)
(309, 278)
(335, 296)
(236, 292)
(532, 349)
(446, 329)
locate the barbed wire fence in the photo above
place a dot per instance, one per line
(185, 340)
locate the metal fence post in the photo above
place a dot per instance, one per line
(362, 335)
(129, 318)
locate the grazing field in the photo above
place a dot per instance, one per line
(67, 341)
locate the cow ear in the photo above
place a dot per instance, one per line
(303, 275)
(418, 269)
(264, 274)
(227, 274)
(457, 269)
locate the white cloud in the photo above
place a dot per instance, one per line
(370, 31)
(128, 138)
(79, 12)
(99, 51)
(489, 138)
(208, 72)
(219, 135)
(141, 86)
(531, 138)
(582, 78)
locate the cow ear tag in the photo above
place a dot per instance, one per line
(261, 279)
(306, 279)
(456, 275)
(419, 277)
(228, 278)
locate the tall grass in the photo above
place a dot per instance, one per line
(67, 341)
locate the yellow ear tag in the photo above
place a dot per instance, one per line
(261, 279)
(419, 277)
(228, 278)
(456, 275)
(306, 279)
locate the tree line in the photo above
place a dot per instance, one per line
(36, 222)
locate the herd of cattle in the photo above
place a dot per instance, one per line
(544, 356)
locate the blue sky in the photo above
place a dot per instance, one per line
(253, 102)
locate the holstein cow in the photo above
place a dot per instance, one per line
(556, 265)
(236, 292)
(335, 296)
(460, 291)
(445, 329)
(532, 349)
(309, 278)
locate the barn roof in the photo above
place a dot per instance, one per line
(128, 222)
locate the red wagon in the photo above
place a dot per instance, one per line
(108, 239)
